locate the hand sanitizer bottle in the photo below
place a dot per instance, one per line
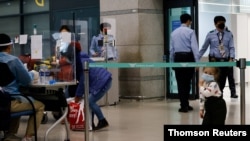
(34, 29)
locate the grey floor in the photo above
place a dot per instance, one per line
(143, 120)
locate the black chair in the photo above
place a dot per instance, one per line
(54, 100)
(7, 77)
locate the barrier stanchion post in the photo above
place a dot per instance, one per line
(86, 99)
(164, 58)
(242, 65)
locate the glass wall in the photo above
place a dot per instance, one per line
(84, 22)
(9, 7)
(41, 21)
(19, 17)
(30, 6)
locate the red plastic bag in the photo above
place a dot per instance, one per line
(76, 116)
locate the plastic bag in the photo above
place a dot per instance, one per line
(76, 116)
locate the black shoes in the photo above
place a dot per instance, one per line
(183, 110)
(93, 126)
(101, 124)
(186, 109)
(190, 108)
(234, 96)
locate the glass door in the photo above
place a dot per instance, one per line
(172, 11)
(83, 22)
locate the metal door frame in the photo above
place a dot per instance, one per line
(167, 5)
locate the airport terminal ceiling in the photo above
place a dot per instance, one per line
(224, 6)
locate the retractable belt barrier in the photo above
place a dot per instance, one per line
(241, 64)
(161, 65)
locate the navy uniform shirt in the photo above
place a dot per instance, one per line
(212, 40)
(97, 46)
(183, 39)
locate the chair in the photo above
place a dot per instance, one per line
(7, 77)
(54, 100)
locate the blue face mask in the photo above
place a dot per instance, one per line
(56, 36)
(207, 77)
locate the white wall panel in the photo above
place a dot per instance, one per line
(242, 42)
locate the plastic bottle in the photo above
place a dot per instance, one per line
(41, 75)
(43, 71)
(47, 76)
(34, 29)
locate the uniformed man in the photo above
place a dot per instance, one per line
(184, 48)
(103, 45)
(222, 48)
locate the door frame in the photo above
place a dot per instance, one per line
(193, 4)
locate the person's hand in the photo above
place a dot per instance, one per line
(201, 82)
(95, 55)
(197, 69)
(54, 63)
(35, 73)
(231, 60)
(212, 60)
(36, 76)
(77, 99)
(201, 113)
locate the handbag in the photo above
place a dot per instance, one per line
(76, 115)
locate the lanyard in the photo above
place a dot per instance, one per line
(220, 36)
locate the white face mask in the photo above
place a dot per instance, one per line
(190, 24)
(109, 31)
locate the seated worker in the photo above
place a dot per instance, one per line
(99, 48)
(66, 56)
(22, 78)
(66, 66)
(100, 81)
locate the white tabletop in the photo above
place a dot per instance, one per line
(57, 84)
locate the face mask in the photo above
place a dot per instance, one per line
(56, 36)
(190, 24)
(109, 31)
(221, 26)
(207, 77)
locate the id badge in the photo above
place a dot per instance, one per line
(221, 47)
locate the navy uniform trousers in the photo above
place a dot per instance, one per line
(184, 77)
(224, 71)
(231, 81)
